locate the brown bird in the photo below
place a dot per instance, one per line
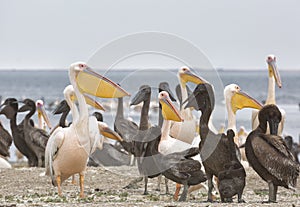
(268, 154)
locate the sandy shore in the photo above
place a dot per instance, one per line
(23, 186)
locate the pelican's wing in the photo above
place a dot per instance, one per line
(54, 143)
(188, 166)
(5, 138)
(5, 141)
(273, 154)
(39, 137)
(191, 152)
(96, 138)
(3, 149)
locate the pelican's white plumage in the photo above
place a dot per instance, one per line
(4, 163)
(185, 131)
(168, 144)
(68, 148)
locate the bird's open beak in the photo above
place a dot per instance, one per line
(169, 111)
(242, 100)
(97, 85)
(189, 76)
(42, 113)
(108, 132)
(274, 72)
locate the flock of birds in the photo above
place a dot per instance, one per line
(169, 149)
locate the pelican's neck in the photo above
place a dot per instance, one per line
(40, 121)
(62, 120)
(13, 123)
(74, 110)
(165, 129)
(144, 125)
(184, 93)
(203, 126)
(83, 109)
(30, 114)
(271, 90)
(160, 117)
(231, 116)
(120, 109)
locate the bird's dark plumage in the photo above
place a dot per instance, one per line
(125, 128)
(5, 141)
(268, 154)
(63, 109)
(293, 146)
(10, 110)
(35, 138)
(215, 150)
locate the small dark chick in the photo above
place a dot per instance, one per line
(232, 181)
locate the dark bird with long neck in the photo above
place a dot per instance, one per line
(10, 110)
(125, 128)
(215, 150)
(268, 154)
(34, 137)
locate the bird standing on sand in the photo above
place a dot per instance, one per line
(80, 137)
(268, 154)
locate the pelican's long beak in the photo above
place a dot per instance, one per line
(97, 85)
(189, 76)
(90, 101)
(242, 100)
(273, 71)
(108, 132)
(169, 111)
(138, 98)
(42, 113)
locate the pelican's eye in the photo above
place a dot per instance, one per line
(82, 65)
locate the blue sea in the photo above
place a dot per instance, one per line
(49, 85)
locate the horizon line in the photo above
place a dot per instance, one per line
(135, 68)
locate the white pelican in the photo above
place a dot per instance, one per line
(42, 119)
(68, 148)
(168, 144)
(185, 131)
(235, 100)
(274, 78)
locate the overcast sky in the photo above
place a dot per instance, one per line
(232, 33)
